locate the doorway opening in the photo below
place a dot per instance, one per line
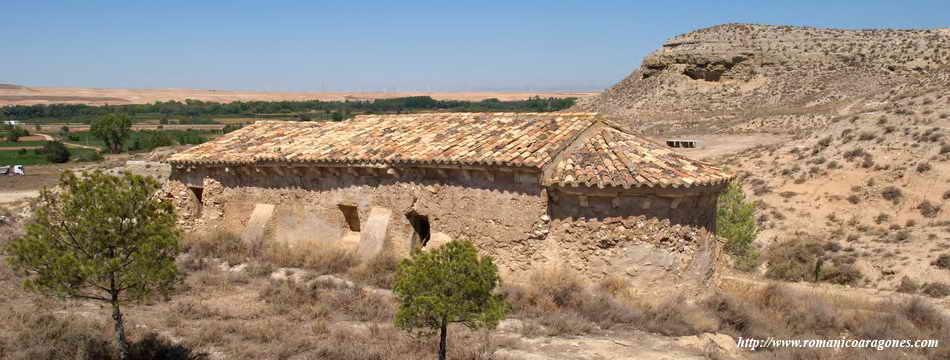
(197, 191)
(352, 217)
(420, 228)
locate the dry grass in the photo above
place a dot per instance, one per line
(230, 248)
(557, 303)
(39, 333)
(379, 272)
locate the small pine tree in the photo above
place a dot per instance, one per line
(451, 284)
(104, 238)
(735, 221)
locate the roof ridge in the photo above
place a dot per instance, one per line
(559, 154)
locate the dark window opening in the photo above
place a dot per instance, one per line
(198, 192)
(352, 217)
(420, 228)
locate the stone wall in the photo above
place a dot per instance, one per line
(645, 238)
(494, 209)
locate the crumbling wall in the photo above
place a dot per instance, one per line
(494, 209)
(693, 209)
(655, 256)
(648, 240)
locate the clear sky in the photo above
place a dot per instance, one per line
(448, 45)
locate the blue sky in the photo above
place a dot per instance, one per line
(383, 46)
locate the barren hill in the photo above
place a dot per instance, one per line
(751, 78)
(30, 95)
(866, 171)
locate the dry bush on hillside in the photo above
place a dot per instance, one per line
(379, 271)
(36, 333)
(928, 210)
(230, 248)
(318, 298)
(892, 193)
(943, 262)
(558, 299)
(555, 302)
(805, 260)
(936, 290)
(322, 259)
(908, 286)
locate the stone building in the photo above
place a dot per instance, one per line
(527, 188)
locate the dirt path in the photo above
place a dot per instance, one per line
(50, 138)
(8, 197)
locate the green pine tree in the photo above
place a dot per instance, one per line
(104, 238)
(451, 284)
(735, 221)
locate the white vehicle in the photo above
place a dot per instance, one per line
(12, 122)
(18, 170)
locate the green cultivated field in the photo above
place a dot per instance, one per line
(30, 157)
(21, 143)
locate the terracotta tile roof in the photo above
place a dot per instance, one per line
(573, 149)
(475, 139)
(607, 157)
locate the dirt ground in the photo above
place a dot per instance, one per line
(30, 95)
(713, 146)
(37, 176)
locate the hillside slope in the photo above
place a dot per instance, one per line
(738, 78)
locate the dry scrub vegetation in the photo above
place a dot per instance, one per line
(242, 310)
(557, 303)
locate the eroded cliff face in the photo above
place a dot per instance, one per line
(742, 78)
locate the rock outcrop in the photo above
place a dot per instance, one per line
(744, 78)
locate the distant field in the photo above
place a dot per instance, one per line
(30, 157)
(21, 144)
(30, 95)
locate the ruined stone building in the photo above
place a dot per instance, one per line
(527, 188)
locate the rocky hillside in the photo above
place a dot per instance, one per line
(874, 186)
(739, 78)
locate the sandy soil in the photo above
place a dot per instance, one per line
(29, 95)
(713, 146)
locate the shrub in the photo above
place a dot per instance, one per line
(55, 152)
(190, 138)
(379, 271)
(89, 156)
(943, 262)
(842, 274)
(147, 140)
(927, 209)
(793, 260)
(555, 292)
(14, 134)
(936, 290)
(908, 286)
(923, 167)
(735, 221)
(882, 218)
(892, 193)
(853, 153)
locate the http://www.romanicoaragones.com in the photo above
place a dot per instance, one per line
(879, 344)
